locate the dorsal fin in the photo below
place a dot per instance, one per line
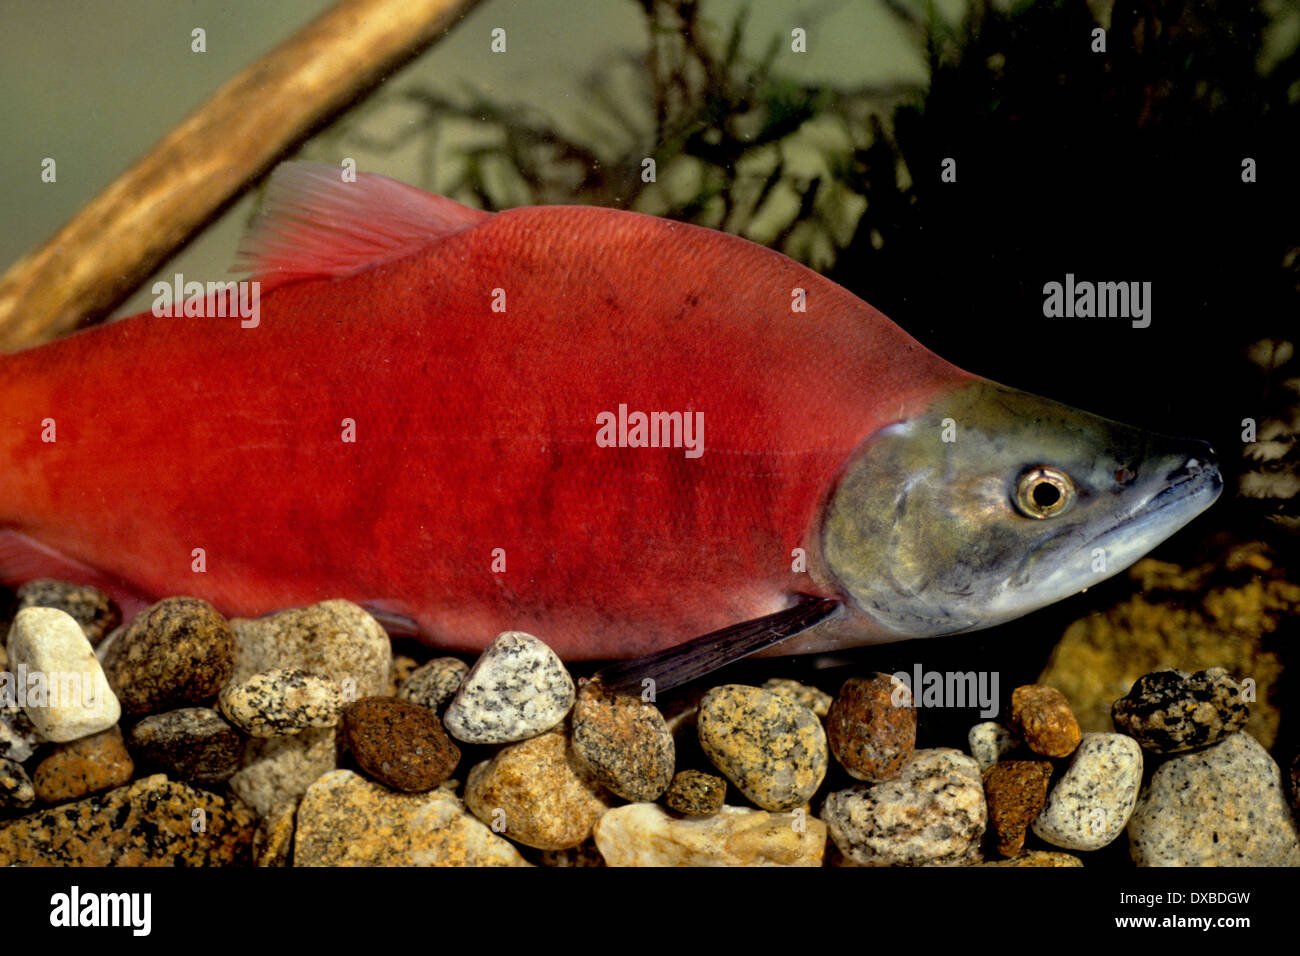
(315, 225)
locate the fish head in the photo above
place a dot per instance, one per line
(989, 503)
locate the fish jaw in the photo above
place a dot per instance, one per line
(925, 534)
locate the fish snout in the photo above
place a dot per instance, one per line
(1199, 464)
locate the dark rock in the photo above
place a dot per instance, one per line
(1172, 711)
(193, 744)
(95, 611)
(400, 744)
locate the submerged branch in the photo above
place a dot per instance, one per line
(124, 233)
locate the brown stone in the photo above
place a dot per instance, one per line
(398, 743)
(1016, 791)
(871, 727)
(80, 767)
(177, 653)
(1042, 716)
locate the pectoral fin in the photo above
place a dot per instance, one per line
(686, 662)
(24, 559)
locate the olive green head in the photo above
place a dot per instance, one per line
(993, 503)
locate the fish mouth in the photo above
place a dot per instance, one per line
(1191, 488)
(1187, 490)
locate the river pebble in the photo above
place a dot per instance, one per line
(771, 748)
(1015, 791)
(1220, 806)
(1042, 717)
(18, 737)
(193, 744)
(277, 769)
(870, 728)
(1294, 787)
(280, 702)
(54, 676)
(83, 766)
(336, 640)
(584, 854)
(149, 822)
(1091, 803)
(273, 838)
(434, 683)
(623, 743)
(1037, 858)
(398, 743)
(95, 611)
(696, 794)
(533, 793)
(644, 834)
(989, 742)
(346, 820)
(16, 789)
(177, 653)
(814, 698)
(1172, 711)
(932, 813)
(518, 688)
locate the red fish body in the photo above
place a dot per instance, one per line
(473, 369)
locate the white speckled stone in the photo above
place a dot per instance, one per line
(78, 700)
(989, 742)
(1093, 800)
(1221, 806)
(644, 834)
(932, 814)
(280, 702)
(518, 688)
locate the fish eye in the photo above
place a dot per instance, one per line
(1044, 492)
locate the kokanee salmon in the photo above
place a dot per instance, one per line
(434, 415)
